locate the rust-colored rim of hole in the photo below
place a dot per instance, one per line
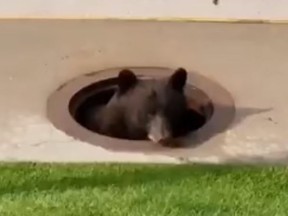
(58, 109)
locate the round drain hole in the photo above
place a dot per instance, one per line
(84, 104)
(74, 107)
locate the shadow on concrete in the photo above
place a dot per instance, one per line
(225, 119)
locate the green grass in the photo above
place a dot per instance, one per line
(142, 190)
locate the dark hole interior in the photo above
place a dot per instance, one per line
(98, 94)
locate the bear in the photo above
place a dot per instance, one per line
(141, 109)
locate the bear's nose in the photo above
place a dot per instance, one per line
(157, 139)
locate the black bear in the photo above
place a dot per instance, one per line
(154, 109)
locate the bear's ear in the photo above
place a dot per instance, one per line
(178, 79)
(126, 80)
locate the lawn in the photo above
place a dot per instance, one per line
(142, 190)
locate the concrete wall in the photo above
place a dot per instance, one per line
(226, 9)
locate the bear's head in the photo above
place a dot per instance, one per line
(153, 108)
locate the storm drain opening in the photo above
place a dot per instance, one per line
(91, 98)
(68, 105)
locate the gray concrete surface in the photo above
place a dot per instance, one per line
(249, 60)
